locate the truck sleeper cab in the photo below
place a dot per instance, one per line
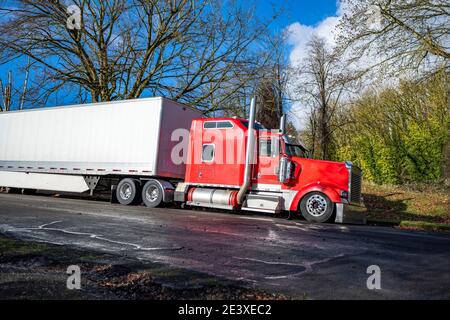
(282, 177)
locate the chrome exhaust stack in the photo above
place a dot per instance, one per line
(283, 124)
(249, 154)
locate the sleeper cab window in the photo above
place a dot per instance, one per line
(208, 153)
(217, 125)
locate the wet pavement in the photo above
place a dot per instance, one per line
(285, 256)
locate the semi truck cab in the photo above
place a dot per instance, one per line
(237, 164)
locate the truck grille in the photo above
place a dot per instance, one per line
(355, 185)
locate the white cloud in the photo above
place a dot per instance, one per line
(298, 36)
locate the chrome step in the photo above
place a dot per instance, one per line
(263, 203)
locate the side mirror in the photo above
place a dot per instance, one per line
(284, 174)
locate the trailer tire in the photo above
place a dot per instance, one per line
(152, 194)
(316, 207)
(128, 191)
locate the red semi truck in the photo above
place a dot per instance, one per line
(157, 152)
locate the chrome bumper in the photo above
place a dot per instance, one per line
(351, 214)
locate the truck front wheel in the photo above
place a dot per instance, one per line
(128, 191)
(152, 194)
(316, 207)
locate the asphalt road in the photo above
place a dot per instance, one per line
(291, 257)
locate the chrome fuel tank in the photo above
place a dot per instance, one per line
(212, 197)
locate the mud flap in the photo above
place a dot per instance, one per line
(113, 194)
(351, 214)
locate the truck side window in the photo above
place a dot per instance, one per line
(217, 125)
(210, 125)
(208, 153)
(224, 124)
(265, 148)
(269, 148)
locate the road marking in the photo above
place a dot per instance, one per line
(259, 219)
(292, 227)
(44, 227)
(118, 213)
(270, 262)
(308, 268)
(273, 235)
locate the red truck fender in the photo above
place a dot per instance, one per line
(331, 191)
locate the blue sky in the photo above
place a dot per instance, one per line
(302, 17)
(306, 12)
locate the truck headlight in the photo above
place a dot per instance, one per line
(286, 170)
(290, 170)
(344, 194)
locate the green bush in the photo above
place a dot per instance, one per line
(397, 135)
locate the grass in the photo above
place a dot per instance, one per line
(10, 246)
(419, 207)
(420, 225)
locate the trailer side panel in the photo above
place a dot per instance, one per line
(119, 138)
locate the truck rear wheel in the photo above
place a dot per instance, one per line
(128, 191)
(316, 207)
(152, 194)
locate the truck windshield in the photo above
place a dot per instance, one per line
(295, 151)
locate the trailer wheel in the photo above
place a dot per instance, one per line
(316, 207)
(152, 194)
(128, 191)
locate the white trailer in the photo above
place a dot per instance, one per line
(71, 148)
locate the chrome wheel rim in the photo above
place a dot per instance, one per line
(152, 193)
(126, 191)
(316, 205)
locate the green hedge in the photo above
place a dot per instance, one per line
(397, 135)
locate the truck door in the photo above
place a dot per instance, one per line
(206, 171)
(268, 161)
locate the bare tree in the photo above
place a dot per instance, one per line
(273, 78)
(395, 35)
(269, 112)
(187, 50)
(265, 75)
(320, 83)
(25, 84)
(9, 94)
(6, 94)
